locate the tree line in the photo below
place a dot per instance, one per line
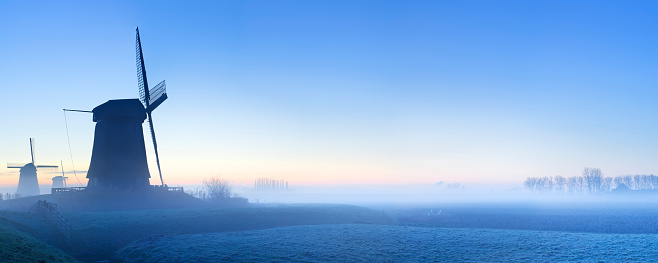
(591, 181)
(267, 184)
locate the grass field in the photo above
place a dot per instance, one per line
(320, 233)
(385, 243)
(616, 218)
(17, 246)
(97, 235)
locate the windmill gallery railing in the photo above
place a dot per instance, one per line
(175, 189)
(49, 210)
(167, 188)
(67, 190)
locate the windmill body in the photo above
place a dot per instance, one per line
(118, 159)
(59, 182)
(28, 185)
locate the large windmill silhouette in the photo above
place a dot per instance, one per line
(118, 160)
(28, 184)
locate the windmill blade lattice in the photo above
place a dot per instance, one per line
(142, 82)
(16, 165)
(150, 101)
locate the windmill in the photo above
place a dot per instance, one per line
(60, 181)
(150, 98)
(118, 158)
(28, 184)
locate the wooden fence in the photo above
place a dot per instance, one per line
(49, 210)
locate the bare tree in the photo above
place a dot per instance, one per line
(636, 182)
(560, 183)
(572, 183)
(530, 183)
(593, 178)
(644, 182)
(548, 183)
(581, 184)
(607, 184)
(217, 188)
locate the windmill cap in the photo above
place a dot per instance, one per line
(28, 167)
(120, 110)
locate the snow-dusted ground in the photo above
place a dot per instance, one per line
(386, 243)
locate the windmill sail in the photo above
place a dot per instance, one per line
(142, 83)
(15, 165)
(32, 142)
(47, 166)
(156, 96)
(150, 100)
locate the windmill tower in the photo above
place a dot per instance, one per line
(28, 184)
(118, 160)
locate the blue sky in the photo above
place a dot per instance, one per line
(343, 92)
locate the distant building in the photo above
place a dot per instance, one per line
(622, 188)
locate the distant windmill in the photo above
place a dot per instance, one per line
(118, 159)
(60, 181)
(151, 99)
(28, 184)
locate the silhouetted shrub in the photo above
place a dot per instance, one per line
(218, 191)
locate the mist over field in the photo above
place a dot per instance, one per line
(373, 194)
(328, 131)
(428, 194)
(317, 226)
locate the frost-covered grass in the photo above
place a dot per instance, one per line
(386, 243)
(97, 235)
(460, 232)
(620, 218)
(16, 246)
